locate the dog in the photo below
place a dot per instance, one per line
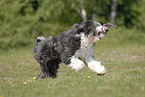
(74, 48)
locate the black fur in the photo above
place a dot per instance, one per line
(60, 48)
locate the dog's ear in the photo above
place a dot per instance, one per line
(86, 27)
(78, 25)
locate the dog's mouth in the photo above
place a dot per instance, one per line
(99, 37)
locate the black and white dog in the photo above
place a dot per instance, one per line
(74, 48)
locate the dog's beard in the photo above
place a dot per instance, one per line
(96, 39)
(99, 37)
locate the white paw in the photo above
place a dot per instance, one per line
(100, 70)
(97, 67)
(77, 64)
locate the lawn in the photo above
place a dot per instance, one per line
(123, 57)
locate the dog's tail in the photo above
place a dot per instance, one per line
(38, 41)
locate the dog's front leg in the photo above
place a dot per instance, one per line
(94, 65)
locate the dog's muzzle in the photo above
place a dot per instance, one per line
(99, 37)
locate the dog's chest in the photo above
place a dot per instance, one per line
(86, 47)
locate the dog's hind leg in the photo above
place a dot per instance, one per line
(48, 70)
(44, 72)
(41, 75)
(52, 68)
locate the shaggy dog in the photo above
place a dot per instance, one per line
(74, 48)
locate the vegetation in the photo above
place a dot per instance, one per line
(122, 51)
(21, 21)
(122, 54)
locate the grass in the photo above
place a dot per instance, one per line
(125, 77)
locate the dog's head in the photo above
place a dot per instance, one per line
(93, 29)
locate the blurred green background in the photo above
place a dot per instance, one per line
(122, 51)
(21, 21)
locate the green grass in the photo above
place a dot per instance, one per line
(125, 77)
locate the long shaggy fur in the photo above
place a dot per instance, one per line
(71, 48)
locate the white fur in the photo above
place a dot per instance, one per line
(40, 38)
(76, 64)
(102, 35)
(99, 28)
(86, 53)
(95, 66)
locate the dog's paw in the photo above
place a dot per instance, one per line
(97, 68)
(100, 70)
